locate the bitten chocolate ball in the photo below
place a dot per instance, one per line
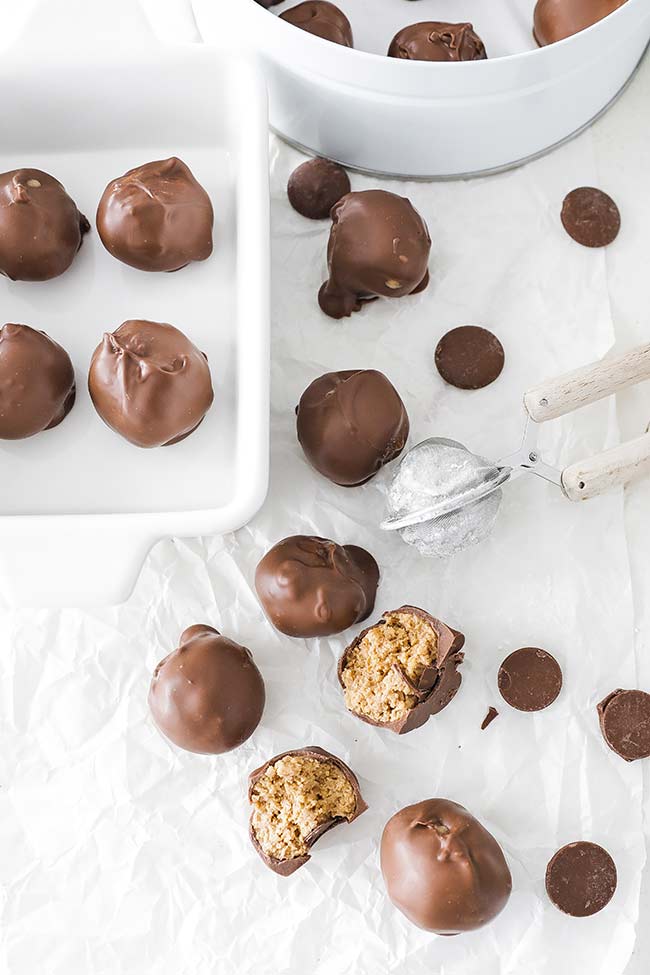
(315, 186)
(437, 41)
(296, 798)
(156, 217)
(350, 424)
(149, 383)
(310, 586)
(403, 669)
(37, 385)
(208, 695)
(322, 19)
(379, 245)
(41, 228)
(442, 869)
(553, 20)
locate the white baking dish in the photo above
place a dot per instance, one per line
(79, 506)
(426, 120)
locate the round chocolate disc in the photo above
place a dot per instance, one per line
(581, 879)
(625, 723)
(315, 186)
(530, 679)
(469, 357)
(591, 217)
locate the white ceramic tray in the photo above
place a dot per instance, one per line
(79, 506)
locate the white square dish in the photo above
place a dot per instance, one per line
(79, 506)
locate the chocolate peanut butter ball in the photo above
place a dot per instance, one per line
(442, 869)
(322, 19)
(350, 424)
(553, 20)
(156, 217)
(296, 797)
(379, 246)
(434, 40)
(311, 586)
(315, 186)
(41, 228)
(37, 385)
(208, 695)
(149, 383)
(403, 669)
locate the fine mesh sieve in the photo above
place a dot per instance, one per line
(444, 498)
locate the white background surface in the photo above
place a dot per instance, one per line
(121, 854)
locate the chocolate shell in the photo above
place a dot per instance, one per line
(310, 586)
(442, 869)
(150, 383)
(554, 20)
(350, 424)
(378, 246)
(156, 217)
(437, 685)
(286, 867)
(321, 18)
(37, 384)
(207, 696)
(41, 228)
(434, 40)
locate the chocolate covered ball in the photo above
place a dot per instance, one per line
(310, 586)
(350, 424)
(156, 217)
(322, 19)
(37, 385)
(207, 696)
(315, 186)
(442, 869)
(379, 245)
(149, 383)
(434, 40)
(41, 228)
(400, 671)
(553, 20)
(296, 797)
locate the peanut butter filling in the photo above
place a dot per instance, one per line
(294, 797)
(372, 684)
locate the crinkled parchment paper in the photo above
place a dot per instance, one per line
(124, 855)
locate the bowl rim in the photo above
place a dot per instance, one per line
(372, 59)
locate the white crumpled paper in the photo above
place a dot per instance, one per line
(122, 855)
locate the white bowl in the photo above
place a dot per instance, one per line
(424, 120)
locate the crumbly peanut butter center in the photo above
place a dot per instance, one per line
(293, 798)
(372, 683)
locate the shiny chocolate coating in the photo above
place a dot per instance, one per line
(156, 217)
(442, 869)
(41, 228)
(434, 40)
(311, 586)
(322, 19)
(207, 696)
(315, 186)
(379, 245)
(350, 424)
(553, 20)
(37, 385)
(149, 383)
